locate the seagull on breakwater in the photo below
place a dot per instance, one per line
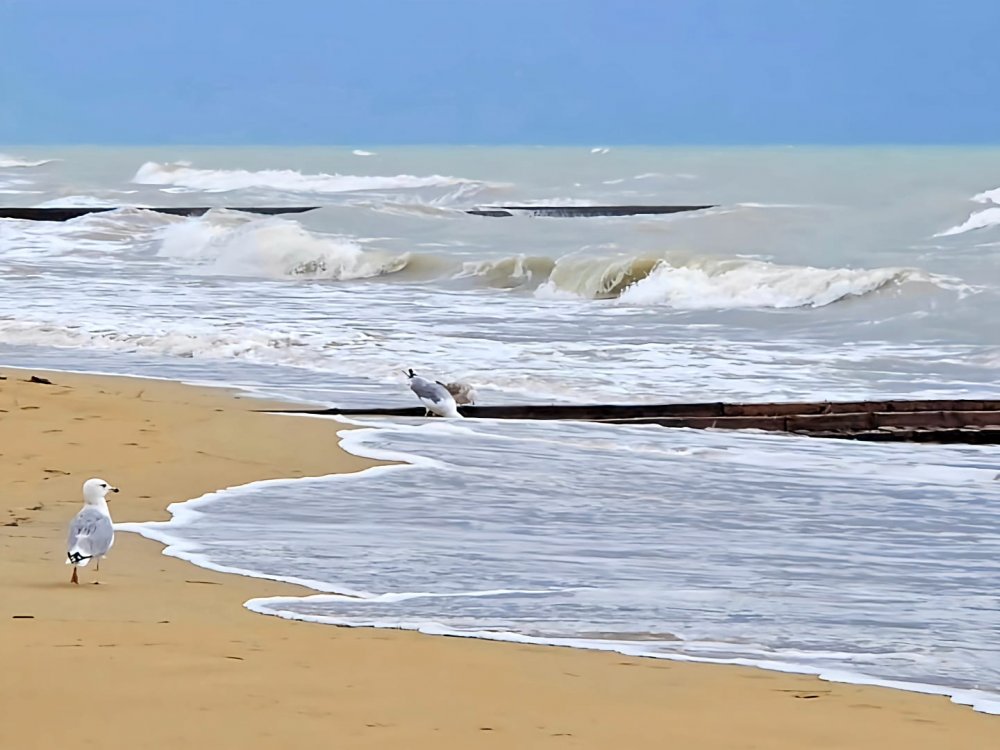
(91, 533)
(463, 393)
(433, 395)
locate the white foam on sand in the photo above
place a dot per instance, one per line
(356, 442)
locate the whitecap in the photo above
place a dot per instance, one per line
(16, 162)
(181, 174)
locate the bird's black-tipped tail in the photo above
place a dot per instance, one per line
(77, 559)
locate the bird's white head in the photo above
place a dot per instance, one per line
(95, 491)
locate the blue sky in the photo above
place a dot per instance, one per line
(377, 72)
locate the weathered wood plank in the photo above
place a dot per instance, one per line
(938, 419)
(947, 421)
(850, 421)
(703, 423)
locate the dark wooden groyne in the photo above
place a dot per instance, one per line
(940, 421)
(575, 211)
(67, 213)
(57, 213)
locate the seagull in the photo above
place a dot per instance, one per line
(433, 395)
(90, 532)
(463, 393)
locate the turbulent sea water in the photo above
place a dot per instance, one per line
(820, 273)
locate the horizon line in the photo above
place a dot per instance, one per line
(575, 145)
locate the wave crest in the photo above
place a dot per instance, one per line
(988, 217)
(689, 284)
(16, 162)
(725, 284)
(272, 248)
(184, 175)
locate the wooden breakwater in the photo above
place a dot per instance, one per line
(65, 213)
(577, 211)
(928, 420)
(75, 212)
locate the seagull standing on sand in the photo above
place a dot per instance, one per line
(91, 533)
(434, 396)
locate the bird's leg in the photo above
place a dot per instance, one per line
(74, 578)
(98, 568)
(427, 412)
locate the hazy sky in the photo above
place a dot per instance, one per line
(374, 72)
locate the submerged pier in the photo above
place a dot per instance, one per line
(934, 421)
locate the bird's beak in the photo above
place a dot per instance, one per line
(114, 489)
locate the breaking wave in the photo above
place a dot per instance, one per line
(691, 284)
(184, 175)
(225, 244)
(15, 162)
(229, 243)
(988, 217)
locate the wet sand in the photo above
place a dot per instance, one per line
(162, 652)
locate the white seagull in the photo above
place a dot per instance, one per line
(434, 396)
(91, 533)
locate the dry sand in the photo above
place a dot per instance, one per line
(162, 654)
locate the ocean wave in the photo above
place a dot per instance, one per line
(16, 162)
(988, 196)
(758, 284)
(691, 284)
(184, 175)
(988, 217)
(80, 201)
(226, 244)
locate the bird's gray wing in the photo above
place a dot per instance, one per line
(431, 391)
(90, 534)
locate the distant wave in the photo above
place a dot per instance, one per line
(362, 152)
(988, 196)
(16, 162)
(78, 201)
(988, 217)
(184, 175)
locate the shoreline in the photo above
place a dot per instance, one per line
(185, 642)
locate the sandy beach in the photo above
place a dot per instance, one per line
(162, 652)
